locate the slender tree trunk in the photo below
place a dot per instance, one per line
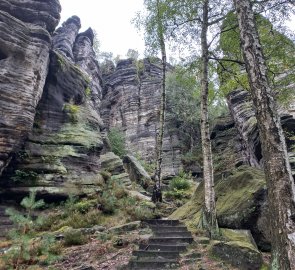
(160, 134)
(280, 184)
(208, 219)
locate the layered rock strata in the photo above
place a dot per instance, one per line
(24, 57)
(243, 113)
(131, 103)
(62, 153)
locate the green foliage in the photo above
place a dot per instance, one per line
(279, 53)
(117, 142)
(179, 188)
(25, 248)
(72, 110)
(132, 54)
(74, 238)
(25, 177)
(179, 183)
(108, 202)
(88, 91)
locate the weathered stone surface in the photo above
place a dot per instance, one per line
(131, 102)
(243, 113)
(241, 204)
(239, 250)
(62, 153)
(44, 13)
(226, 146)
(125, 227)
(24, 58)
(111, 163)
(65, 36)
(136, 172)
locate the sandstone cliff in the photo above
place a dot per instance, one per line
(131, 102)
(25, 42)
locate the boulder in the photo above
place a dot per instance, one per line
(111, 163)
(238, 249)
(241, 204)
(136, 172)
(125, 227)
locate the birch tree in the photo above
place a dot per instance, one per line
(280, 183)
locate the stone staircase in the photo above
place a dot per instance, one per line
(5, 222)
(170, 238)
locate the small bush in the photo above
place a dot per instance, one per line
(78, 220)
(179, 183)
(74, 238)
(108, 202)
(117, 142)
(85, 205)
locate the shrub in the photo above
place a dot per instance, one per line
(179, 183)
(117, 142)
(108, 202)
(28, 177)
(26, 249)
(74, 238)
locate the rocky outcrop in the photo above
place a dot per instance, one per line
(243, 113)
(24, 57)
(131, 102)
(62, 153)
(240, 202)
(136, 172)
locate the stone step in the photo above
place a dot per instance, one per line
(156, 254)
(176, 247)
(180, 228)
(163, 222)
(172, 234)
(170, 240)
(154, 264)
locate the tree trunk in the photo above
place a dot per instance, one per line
(160, 134)
(208, 220)
(280, 184)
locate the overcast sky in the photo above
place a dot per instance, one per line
(112, 21)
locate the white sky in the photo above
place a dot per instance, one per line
(111, 19)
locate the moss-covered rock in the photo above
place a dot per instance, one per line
(241, 200)
(112, 163)
(238, 249)
(136, 171)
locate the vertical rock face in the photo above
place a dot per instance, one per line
(131, 102)
(24, 57)
(62, 153)
(65, 36)
(243, 113)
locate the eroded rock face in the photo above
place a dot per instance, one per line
(44, 13)
(24, 57)
(131, 102)
(62, 154)
(243, 113)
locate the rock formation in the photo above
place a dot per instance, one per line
(62, 153)
(131, 102)
(25, 42)
(243, 113)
